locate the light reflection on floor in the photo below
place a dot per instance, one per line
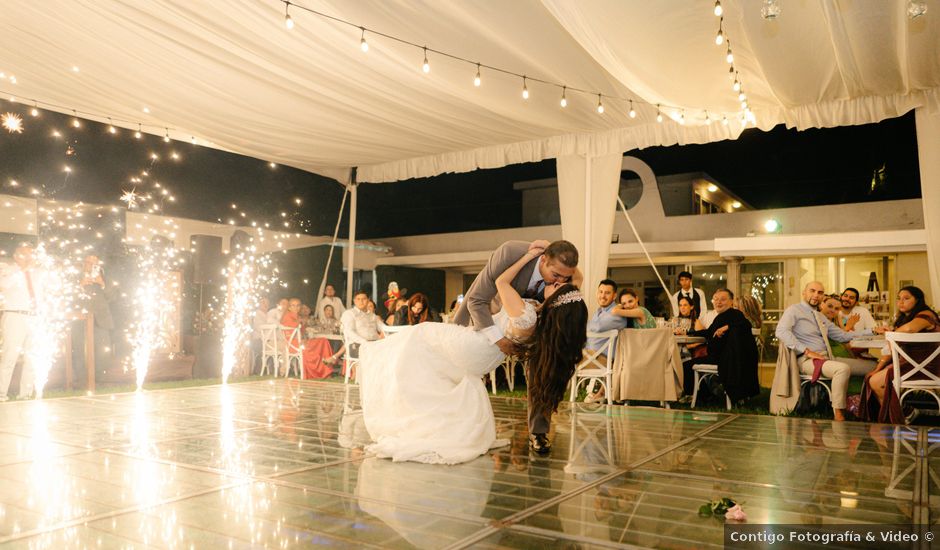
(279, 464)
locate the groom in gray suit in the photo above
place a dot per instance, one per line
(558, 264)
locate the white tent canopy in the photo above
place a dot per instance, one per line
(229, 73)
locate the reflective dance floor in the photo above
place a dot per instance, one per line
(280, 464)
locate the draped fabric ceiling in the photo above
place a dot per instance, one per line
(229, 73)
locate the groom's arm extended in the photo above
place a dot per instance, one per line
(483, 289)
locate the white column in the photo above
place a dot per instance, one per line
(351, 247)
(587, 196)
(733, 265)
(928, 142)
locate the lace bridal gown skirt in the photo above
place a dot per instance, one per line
(423, 397)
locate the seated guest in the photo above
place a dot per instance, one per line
(830, 307)
(395, 307)
(750, 307)
(330, 298)
(696, 295)
(805, 331)
(275, 314)
(686, 322)
(851, 308)
(629, 306)
(602, 321)
(370, 306)
(731, 346)
(313, 356)
(305, 316)
(913, 316)
(328, 323)
(417, 310)
(359, 324)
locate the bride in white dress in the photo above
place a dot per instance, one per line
(422, 393)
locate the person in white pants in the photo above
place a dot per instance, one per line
(19, 287)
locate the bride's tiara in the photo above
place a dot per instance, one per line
(568, 297)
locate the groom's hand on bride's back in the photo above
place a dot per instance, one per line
(507, 346)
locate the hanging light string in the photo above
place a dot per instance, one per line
(95, 117)
(477, 66)
(721, 38)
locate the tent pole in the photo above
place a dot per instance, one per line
(351, 247)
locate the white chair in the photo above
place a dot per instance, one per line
(701, 372)
(922, 371)
(293, 350)
(593, 368)
(509, 367)
(352, 360)
(269, 348)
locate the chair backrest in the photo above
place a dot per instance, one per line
(921, 351)
(591, 358)
(292, 341)
(269, 339)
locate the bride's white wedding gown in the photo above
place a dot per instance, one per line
(422, 393)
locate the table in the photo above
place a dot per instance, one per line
(868, 342)
(683, 339)
(330, 336)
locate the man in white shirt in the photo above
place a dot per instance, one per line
(850, 307)
(330, 299)
(694, 294)
(359, 324)
(21, 287)
(274, 316)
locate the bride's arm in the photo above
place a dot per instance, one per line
(511, 300)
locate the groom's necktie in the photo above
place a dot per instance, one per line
(536, 291)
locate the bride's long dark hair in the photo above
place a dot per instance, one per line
(560, 335)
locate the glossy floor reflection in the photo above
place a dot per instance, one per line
(280, 464)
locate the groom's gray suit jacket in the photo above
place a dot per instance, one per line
(475, 308)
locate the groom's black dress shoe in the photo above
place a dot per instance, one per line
(539, 443)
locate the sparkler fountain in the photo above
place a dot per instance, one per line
(248, 274)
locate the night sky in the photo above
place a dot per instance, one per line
(205, 181)
(780, 168)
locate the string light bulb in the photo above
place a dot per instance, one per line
(718, 9)
(477, 80)
(724, 121)
(35, 110)
(75, 122)
(708, 119)
(741, 96)
(525, 88)
(632, 110)
(729, 57)
(426, 67)
(138, 134)
(737, 85)
(720, 37)
(682, 117)
(166, 136)
(564, 98)
(288, 21)
(659, 113)
(111, 128)
(363, 45)
(600, 105)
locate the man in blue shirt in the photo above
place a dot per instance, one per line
(602, 321)
(803, 329)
